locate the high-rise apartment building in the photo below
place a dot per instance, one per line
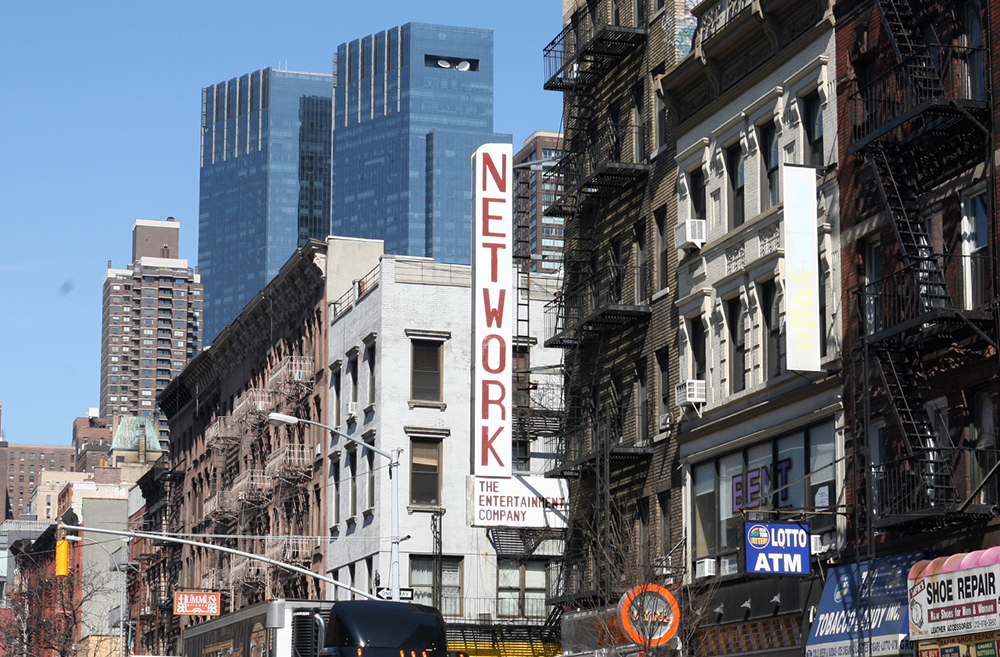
(538, 237)
(151, 324)
(411, 105)
(265, 182)
(23, 466)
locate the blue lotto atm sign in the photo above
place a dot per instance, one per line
(777, 549)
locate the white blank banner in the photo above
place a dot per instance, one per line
(802, 333)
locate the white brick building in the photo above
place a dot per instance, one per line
(400, 364)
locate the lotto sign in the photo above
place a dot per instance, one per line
(492, 306)
(196, 603)
(777, 549)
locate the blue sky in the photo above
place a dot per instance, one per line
(99, 121)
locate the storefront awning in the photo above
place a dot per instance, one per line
(956, 595)
(863, 610)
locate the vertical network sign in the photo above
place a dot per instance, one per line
(802, 319)
(493, 310)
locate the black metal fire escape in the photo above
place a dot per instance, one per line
(918, 125)
(603, 157)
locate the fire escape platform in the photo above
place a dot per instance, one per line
(931, 516)
(931, 324)
(618, 455)
(583, 67)
(606, 318)
(944, 113)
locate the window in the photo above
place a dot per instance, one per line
(975, 243)
(812, 120)
(370, 491)
(335, 475)
(352, 367)
(735, 175)
(641, 404)
(737, 345)
(661, 122)
(450, 588)
(771, 329)
(352, 491)
(641, 274)
(370, 355)
(696, 338)
(521, 588)
(696, 185)
(769, 158)
(981, 439)
(791, 472)
(336, 397)
(662, 248)
(873, 274)
(425, 471)
(426, 372)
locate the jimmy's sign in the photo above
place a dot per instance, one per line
(493, 310)
(777, 548)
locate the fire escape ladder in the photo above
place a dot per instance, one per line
(901, 26)
(900, 199)
(921, 440)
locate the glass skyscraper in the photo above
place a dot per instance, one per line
(411, 106)
(265, 182)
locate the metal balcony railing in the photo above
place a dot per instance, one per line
(292, 371)
(610, 298)
(582, 50)
(901, 298)
(215, 578)
(513, 607)
(919, 486)
(250, 485)
(290, 459)
(933, 76)
(220, 503)
(254, 403)
(292, 549)
(718, 16)
(223, 432)
(358, 290)
(612, 156)
(246, 570)
(612, 427)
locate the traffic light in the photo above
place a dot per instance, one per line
(62, 558)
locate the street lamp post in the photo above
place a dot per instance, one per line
(279, 419)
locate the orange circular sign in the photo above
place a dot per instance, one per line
(649, 615)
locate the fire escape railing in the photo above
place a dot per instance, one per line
(899, 299)
(616, 287)
(932, 75)
(594, 30)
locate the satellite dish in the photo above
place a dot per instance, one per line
(444, 63)
(463, 65)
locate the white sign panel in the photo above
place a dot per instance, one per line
(518, 502)
(959, 602)
(493, 310)
(801, 269)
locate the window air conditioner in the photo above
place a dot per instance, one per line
(690, 235)
(704, 568)
(689, 392)
(352, 410)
